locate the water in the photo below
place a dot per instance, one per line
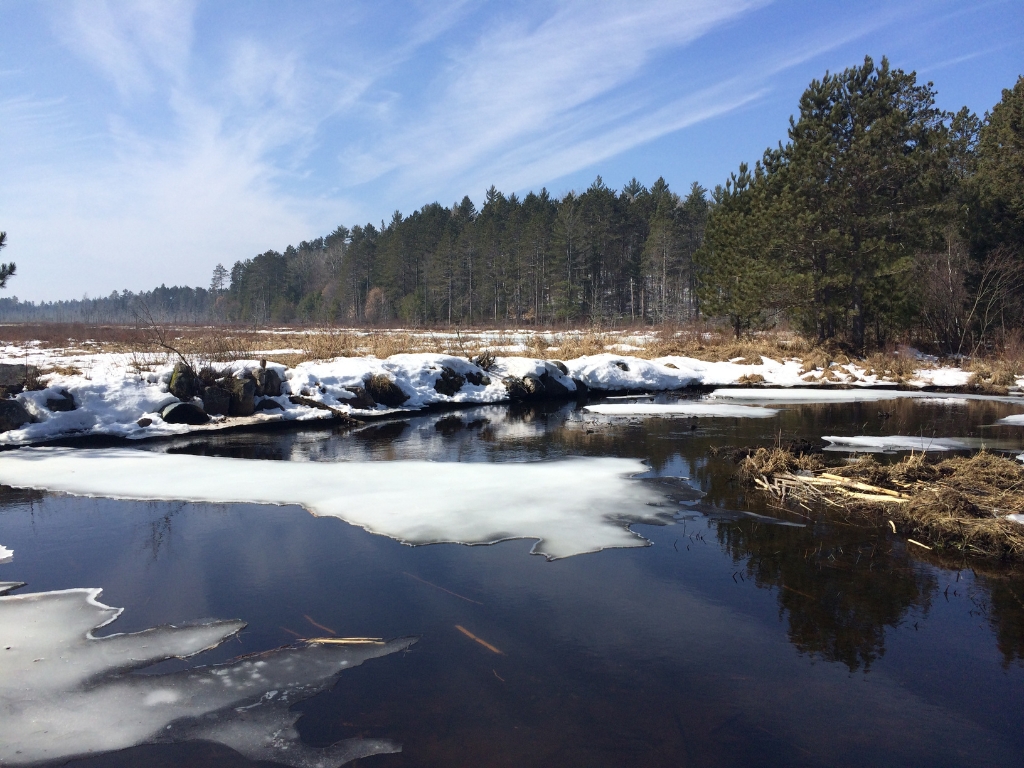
(731, 640)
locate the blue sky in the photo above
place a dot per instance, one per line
(143, 142)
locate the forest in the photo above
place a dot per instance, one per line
(881, 218)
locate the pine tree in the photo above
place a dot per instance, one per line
(6, 270)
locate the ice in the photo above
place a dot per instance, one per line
(1016, 419)
(871, 444)
(721, 410)
(570, 506)
(807, 395)
(6, 555)
(64, 692)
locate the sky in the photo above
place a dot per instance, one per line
(142, 143)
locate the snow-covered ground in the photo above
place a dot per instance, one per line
(571, 506)
(123, 395)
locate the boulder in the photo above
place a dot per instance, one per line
(560, 366)
(272, 383)
(144, 422)
(361, 399)
(266, 404)
(184, 413)
(534, 386)
(449, 382)
(384, 391)
(621, 365)
(183, 382)
(478, 379)
(581, 387)
(553, 387)
(13, 377)
(243, 397)
(63, 402)
(216, 401)
(13, 415)
(516, 388)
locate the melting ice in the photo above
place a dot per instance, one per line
(571, 506)
(65, 693)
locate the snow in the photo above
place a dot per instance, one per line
(570, 506)
(6, 555)
(1015, 420)
(618, 372)
(114, 391)
(67, 693)
(720, 410)
(940, 377)
(872, 444)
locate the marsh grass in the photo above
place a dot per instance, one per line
(956, 505)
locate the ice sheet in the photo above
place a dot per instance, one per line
(64, 692)
(1016, 419)
(806, 395)
(571, 506)
(720, 410)
(6, 555)
(890, 443)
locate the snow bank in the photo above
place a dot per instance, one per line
(571, 506)
(720, 410)
(618, 372)
(891, 443)
(6, 555)
(66, 693)
(785, 374)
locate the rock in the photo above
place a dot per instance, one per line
(184, 413)
(361, 399)
(581, 387)
(384, 391)
(621, 365)
(13, 377)
(534, 386)
(272, 383)
(266, 404)
(13, 415)
(672, 366)
(145, 421)
(561, 367)
(552, 386)
(243, 397)
(216, 401)
(516, 388)
(183, 382)
(478, 379)
(449, 382)
(63, 402)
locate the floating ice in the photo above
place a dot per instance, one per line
(1015, 420)
(805, 395)
(571, 506)
(6, 555)
(721, 410)
(871, 444)
(65, 693)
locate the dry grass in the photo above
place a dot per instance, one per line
(954, 505)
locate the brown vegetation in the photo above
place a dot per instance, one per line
(956, 505)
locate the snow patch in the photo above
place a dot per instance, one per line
(6, 555)
(720, 410)
(570, 506)
(1016, 420)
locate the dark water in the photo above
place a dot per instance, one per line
(731, 640)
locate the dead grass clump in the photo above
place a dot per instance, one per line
(751, 378)
(766, 462)
(957, 505)
(326, 344)
(573, 344)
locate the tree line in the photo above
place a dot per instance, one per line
(880, 218)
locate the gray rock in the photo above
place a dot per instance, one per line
(516, 388)
(621, 365)
(13, 377)
(449, 382)
(272, 383)
(145, 421)
(13, 415)
(65, 401)
(383, 390)
(534, 386)
(216, 401)
(553, 387)
(183, 382)
(266, 404)
(184, 413)
(361, 399)
(243, 397)
(478, 379)
(581, 387)
(560, 366)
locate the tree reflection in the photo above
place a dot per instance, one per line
(839, 586)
